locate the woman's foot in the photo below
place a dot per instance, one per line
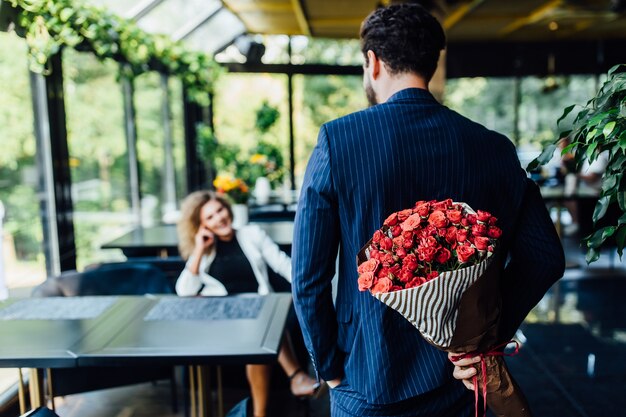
(302, 385)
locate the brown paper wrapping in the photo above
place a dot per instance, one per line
(475, 331)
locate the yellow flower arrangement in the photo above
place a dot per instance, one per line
(233, 187)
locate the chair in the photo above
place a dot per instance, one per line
(107, 279)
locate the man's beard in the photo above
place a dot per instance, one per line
(370, 93)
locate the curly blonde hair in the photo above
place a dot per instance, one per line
(189, 222)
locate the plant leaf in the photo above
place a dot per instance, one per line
(620, 240)
(608, 129)
(567, 111)
(621, 201)
(590, 151)
(592, 255)
(601, 206)
(544, 158)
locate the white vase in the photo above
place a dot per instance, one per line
(240, 215)
(262, 190)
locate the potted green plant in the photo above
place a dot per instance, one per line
(600, 126)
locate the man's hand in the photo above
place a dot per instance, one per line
(463, 369)
(334, 382)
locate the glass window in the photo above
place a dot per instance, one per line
(317, 100)
(98, 155)
(307, 50)
(488, 101)
(22, 262)
(178, 136)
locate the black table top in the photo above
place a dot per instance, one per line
(165, 237)
(128, 330)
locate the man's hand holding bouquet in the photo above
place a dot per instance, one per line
(438, 265)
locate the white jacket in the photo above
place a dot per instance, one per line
(260, 250)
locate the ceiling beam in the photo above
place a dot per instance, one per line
(188, 29)
(142, 9)
(261, 8)
(533, 17)
(301, 17)
(349, 21)
(460, 12)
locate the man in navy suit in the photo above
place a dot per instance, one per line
(404, 148)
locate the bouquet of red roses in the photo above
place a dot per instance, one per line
(437, 264)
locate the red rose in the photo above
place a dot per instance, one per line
(464, 252)
(494, 232)
(410, 262)
(415, 282)
(383, 272)
(429, 242)
(375, 254)
(396, 230)
(392, 220)
(442, 205)
(451, 234)
(438, 219)
(404, 214)
(479, 230)
(491, 248)
(432, 275)
(398, 241)
(493, 220)
(481, 243)
(387, 259)
(365, 281)
(483, 216)
(405, 275)
(378, 235)
(465, 222)
(371, 265)
(442, 232)
(461, 235)
(443, 256)
(383, 285)
(426, 253)
(422, 209)
(427, 231)
(400, 252)
(411, 223)
(395, 270)
(386, 243)
(396, 288)
(471, 218)
(454, 216)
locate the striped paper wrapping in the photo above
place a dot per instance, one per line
(433, 306)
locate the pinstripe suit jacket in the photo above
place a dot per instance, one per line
(369, 164)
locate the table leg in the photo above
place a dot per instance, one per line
(50, 390)
(220, 393)
(35, 387)
(201, 391)
(21, 392)
(193, 412)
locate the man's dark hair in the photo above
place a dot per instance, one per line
(405, 37)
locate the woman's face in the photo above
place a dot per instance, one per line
(215, 217)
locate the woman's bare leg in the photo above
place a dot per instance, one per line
(259, 380)
(300, 382)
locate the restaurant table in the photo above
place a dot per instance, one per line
(162, 241)
(58, 332)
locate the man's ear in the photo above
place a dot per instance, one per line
(373, 64)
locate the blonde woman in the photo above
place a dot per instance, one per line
(222, 261)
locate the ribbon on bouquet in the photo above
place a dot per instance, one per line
(493, 352)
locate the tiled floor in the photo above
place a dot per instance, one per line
(572, 361)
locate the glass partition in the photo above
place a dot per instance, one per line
(22, 262)
(98, 155)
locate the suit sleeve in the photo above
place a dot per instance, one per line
(536, 261)
(316, 240)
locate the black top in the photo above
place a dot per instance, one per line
(232, 268)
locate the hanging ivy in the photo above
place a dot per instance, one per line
(49, 25)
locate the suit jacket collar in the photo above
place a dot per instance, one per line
(411, 94)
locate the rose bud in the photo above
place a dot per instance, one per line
(479, 230)
(494, 232)
(443, 256)
(396, 288)
(386, 243)
(493, 220)
(461, 235)
(392, 220)
(405, 275)
(410, 262)
(401, 252)
(472, 219)
(396, 230)
(465, 222)
(483, 216)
